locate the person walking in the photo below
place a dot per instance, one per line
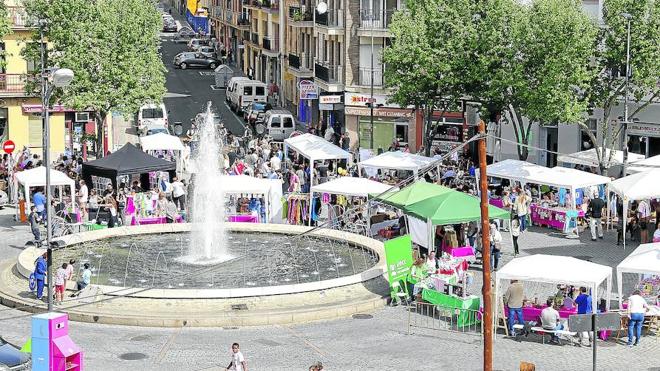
(83, 196)
(495, 246)
(60, 280)
(40, 268)
(515, 233)
(34, 220)
(238, 362)
(584, 302)
(513, 299)
(69, 272)
(637, 307)
(595, 211)
(179, 194)
(521, 206)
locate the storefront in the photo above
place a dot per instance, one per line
(644, 138)
(390, 122)
(331, 111)
(448, 131)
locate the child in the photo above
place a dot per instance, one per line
(85, 277)
(34, 223)
(515, 233)
(60, 280)
(237, 360)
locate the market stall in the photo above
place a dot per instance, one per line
(553, 269)
(165, 146)
(247, 191)
(645, 260)
(396, 161)
(644, 165)
(636, 187)
(314, 148)
(352, 187)
(37, 178)
(590, 157)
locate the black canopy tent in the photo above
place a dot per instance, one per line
(128, 160)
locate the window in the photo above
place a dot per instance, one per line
(586, 144)
(247, 90)
(260, 90)
(288, 122)
(152, 113)
(275, 122)
(4, 114)
(35, 131)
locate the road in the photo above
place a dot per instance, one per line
(188, 91)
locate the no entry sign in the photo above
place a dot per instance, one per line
(8, 146)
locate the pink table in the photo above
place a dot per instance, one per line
(534, 314)
(459, 252)
(497, 202)
(243, 218)
(550, 217)
(154, 220)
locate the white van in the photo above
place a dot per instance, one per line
(279, 124)
(246, 92)
(231, 85)
(152, 115)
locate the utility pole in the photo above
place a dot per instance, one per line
(628, 17)
(372, 100)
(485, 243)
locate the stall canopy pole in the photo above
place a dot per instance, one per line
(311, 181)
(485, 243)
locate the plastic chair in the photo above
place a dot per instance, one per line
(398, 293)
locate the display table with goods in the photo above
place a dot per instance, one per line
(552, 217)
(463, 252)
(533, 312)
(467, 307)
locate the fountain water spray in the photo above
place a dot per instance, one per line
(208, 240)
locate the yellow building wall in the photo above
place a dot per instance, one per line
(19, 130)
(14, 44)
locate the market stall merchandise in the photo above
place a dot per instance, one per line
(590, 157)
(644, 260)
(37, 178)
(553, 217)
(636, 187)
(396, 161)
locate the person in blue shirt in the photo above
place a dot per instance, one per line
(39, 201)
(40, 274)
(583, 302)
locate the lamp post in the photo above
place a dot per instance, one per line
(50, 80)
(628, 18)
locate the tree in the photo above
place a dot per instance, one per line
(607, 88)
(111, 46)
(5, 29)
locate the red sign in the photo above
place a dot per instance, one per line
(8, 146)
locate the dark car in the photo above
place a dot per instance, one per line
(185, 34)
(12, 357)
(192, 59)
(169, 26)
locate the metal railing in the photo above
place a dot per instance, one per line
(254, 38)
(376, 19)
(329, 73)
(440, 318)
(299, 14)
(266, 4)
(13, 83)
(300, 62)
(331, 18)
(18, 17)
(271, 43)
(365, 76)
(243, 20)
(294, 61)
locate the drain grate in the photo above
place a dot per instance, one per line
(239, 307)
(132, 356)
(362, 316)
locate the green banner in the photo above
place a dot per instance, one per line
(399, 258)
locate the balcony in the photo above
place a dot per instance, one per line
(271, 6)
(332, 20)
(271, 46)
(301, 65)
(300, 17)
(376, 19)
(18, 17)
(13, 85)
(254, 38)
(365, 76)
(243, 22)
(329, 77)
(229, 16)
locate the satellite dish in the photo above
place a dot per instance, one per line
(322, 7)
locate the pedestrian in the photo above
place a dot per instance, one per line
(60, 280)
(40, 268)
(69, 272)
(643, 213)
(85, 277)
(34, 220)
(521, 206)
(583, 302)
(83, 196)
(515, 233)
(637, 308)
(513, 299)
(179, 194)
(39, 201)
(595, 212)
(495, 246)
(238, 362)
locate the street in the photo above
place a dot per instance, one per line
(189, 90)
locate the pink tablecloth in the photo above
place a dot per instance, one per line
(534, 314)
(459, 252)
(497, 202)
(154, 220)
(243, 218)
(550, 217)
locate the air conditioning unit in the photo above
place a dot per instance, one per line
(82, 116)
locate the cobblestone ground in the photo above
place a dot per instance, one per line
(381, 342)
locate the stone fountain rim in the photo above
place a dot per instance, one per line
(26, 258)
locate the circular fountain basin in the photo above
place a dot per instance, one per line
(266, 259)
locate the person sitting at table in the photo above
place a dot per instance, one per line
(431, 262)
(550, 320)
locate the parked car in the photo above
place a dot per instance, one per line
(150, 130)
(169, 25)
(231, 85)
(192, 59)
(195, 43)
(207, 51)
(152, 115)
(185, 34)
(278, 124)
(12, 358)
(245, 92)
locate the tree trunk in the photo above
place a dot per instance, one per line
(99, 118)
(522, 134)
(427, 132)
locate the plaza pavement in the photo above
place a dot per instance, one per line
(377, 343)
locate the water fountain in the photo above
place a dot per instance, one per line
(208, 240)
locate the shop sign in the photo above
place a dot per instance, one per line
(308, 90)
(361, 100)
(330, 99)
(325, 107)
(448, 133)
(36, 108)
(379, 112)
(645, 130)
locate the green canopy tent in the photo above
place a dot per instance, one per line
(412, 194)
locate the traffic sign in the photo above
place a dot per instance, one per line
(8, 146)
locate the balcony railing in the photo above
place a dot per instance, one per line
(365, 76)
(18, 17)
(376, 19)
(298, 14)
(243, 21)
(300, 62)
(331, 18)
(271, 43)
(331, 74)
(254, 38)
(12, 83)
(266, 4)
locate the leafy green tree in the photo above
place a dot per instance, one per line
(607, 89)
(5, 29)
(112, 48)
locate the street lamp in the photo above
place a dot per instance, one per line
(628, 18)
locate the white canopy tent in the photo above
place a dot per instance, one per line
(556, 270)
(396, 161)
(37, 178)
(590, 157)
(243, 184)
(161, 141)
(644, 260)
(517, 170)
(644, 165)
(350, 186)
(640, 186)
(314, 148)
